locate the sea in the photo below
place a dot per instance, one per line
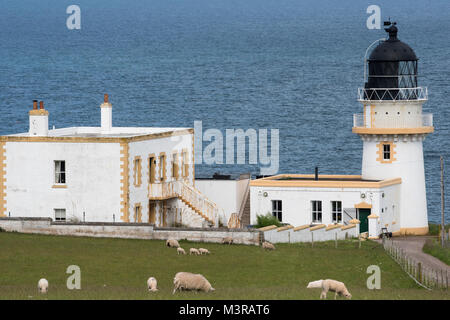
(289, 65)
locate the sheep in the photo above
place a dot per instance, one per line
(190, 281)
(330, 285)
(43, 286)
(152, 284)
(172, 243)
(180, 251)
(204, 251)
(268, 246)
(194, 251)
(228, 240)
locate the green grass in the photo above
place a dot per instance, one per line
(119, 268)
(434, 248)
(433, 228)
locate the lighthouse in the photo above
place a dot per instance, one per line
(393, 128)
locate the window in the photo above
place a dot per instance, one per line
(60, 171)
(316, 207)
(60, 214)
(175, 166)
(185, 165)
(137, 171)
(386, 151)
(137, 213)
(336, 211)
(162, 167)
(276, 209)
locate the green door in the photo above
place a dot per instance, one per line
(364, 225)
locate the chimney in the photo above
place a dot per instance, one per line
(106, 115)
(38, 120)
(316, 173)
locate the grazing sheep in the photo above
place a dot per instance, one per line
(268, 246)
(227, 240)
(43, 286)
(190, 281)
(172, 243)
(330, 285)
(204, 251)
(180, 251)
(194, 251)
(152, 284)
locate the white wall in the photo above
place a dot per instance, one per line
(410, 167)
(296, 202)
(155, 146)
(227, 194)
(92, 176)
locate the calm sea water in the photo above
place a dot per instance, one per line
(290, 65)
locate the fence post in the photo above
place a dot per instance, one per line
(335, 240)
(419, 269)
(312, 239)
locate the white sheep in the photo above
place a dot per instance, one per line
(190, 281)
(227, 240)
(194, 251)
(43, 286)
(180, 251)
(152, 284)
(330, 285)
(172, 243)
(268, 246)
(204, 251)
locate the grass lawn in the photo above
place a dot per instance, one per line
(119, 268)
(434, 248)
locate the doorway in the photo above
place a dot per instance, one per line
(364, 221)
(152, 212)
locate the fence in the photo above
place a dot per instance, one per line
(424, 276)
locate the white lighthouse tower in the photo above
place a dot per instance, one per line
(393, 128)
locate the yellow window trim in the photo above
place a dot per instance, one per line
(137, 170)
(138, 214)
(59, 186)
(380, 152)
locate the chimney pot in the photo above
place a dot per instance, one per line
(41, 105)
(105, 98)
(35, 104)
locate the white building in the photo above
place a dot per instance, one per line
(102, 174)
(390, 193)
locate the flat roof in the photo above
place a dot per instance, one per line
(324, 181)
(95, 134)
(116, 132)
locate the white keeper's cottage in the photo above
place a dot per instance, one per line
(102, 174)
(390, 192)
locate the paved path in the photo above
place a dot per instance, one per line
(412, 245)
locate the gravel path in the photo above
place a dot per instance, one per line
(413, 248)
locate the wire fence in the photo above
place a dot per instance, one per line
(424, 276)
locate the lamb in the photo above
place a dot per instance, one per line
(204, 251)
(268, 246)
(43, 286)
(172, 243)
(190, 281)
(152, 284)
(194, 251)
(228, 240)
(330, 285)
(180, 251)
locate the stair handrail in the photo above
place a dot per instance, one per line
(244, 200)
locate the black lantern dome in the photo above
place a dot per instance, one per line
(392, 65)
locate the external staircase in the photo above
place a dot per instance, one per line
(190, 197)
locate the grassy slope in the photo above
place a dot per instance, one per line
(119, 268)
(434, 248)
